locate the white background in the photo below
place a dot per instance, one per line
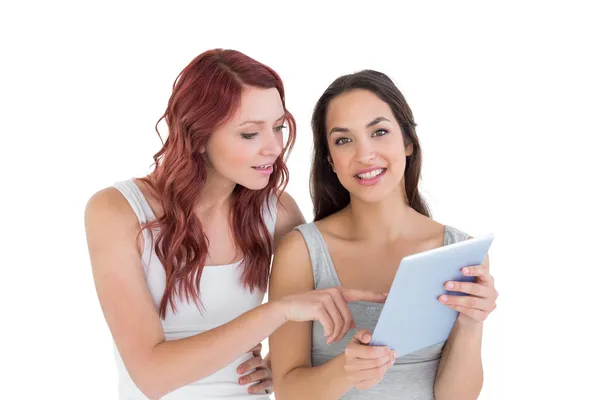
(506, 101)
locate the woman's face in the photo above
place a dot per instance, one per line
(244, 149)
(366, 145)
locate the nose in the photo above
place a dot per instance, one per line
(272, 146)
(365, 151)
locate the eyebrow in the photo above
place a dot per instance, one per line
(370, 124)
(258, 122)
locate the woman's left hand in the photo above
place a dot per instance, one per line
(481, 295)
(262, 375)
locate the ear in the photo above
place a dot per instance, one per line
(330, 161)
(409, 150)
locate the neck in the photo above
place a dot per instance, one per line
(216, 195)
(386, 220)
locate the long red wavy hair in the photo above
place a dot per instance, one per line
(205, 96)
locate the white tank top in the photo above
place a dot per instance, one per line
(223, 296)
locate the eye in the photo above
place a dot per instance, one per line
(280, 128)
(248, 135)
(379, 132)
(342, 141)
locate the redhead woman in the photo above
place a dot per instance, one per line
(181, 257)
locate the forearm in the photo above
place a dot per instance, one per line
(460, 373)
(176, 363)
(324, 382)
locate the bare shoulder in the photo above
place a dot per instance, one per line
(108, 213)
(292, 244)
(336, 225)
(286, 200)
(288, 211)
(425, 222)
(426, 230)
(289, 216)
(292, 270)
(108, 203)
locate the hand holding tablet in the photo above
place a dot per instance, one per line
(413, 316)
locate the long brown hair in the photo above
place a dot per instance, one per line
(205, 95)
(328, 194)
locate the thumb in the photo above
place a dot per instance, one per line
(256, 350)
(362, 336)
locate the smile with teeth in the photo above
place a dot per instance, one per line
(371, 174)
(266, 166)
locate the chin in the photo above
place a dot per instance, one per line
(371, 195)
(369, 198)
(254, 185)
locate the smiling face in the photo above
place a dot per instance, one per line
(244, 149)
(366, 145)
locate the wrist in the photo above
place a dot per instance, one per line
(469, 325)
(341, 374)
(278, 311)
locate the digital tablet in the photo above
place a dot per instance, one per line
(412, 317)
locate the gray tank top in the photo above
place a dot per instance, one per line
(412, 376)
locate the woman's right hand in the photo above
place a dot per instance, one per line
(366, 365)
(329, 307)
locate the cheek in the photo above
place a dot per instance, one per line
(233, 153)
(345, 168)
(241, 153)
(398, 163)
(398, 159)
(340, 160)
(394, 153)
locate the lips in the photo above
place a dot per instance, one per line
(264, 169)
(370, 173)
(264, 166)
(370, 176)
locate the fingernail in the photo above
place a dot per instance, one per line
(450, 285)
(467, 271)
(242, 381)
(444, 298)
(394, 354)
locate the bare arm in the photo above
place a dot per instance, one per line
(293, 375)
(288, 217)
(156, 366)
(460, 373)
